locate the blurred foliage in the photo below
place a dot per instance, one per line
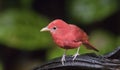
(57, 52)
(20, 26)
(1, 66)
(118, 41)
(103, 40)
(20, 29)
(88, 11)
(26, 4)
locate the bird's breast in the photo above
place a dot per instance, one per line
(67, 44)
(66, 40)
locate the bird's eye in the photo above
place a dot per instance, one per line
(54, 28)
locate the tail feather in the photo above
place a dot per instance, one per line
(89, 46)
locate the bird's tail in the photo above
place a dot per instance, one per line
(89, 46)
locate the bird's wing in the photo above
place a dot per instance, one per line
(79, 34)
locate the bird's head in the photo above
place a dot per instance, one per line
(56, 26)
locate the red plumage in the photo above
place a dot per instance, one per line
(68, 36)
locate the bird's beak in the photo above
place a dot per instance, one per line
(44, 29)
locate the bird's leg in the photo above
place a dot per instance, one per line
(76, 54)
(63, 57)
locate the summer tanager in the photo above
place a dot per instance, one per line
(68, 36)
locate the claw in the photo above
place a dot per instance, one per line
(63, 59)
(74, 56)
(77, 53)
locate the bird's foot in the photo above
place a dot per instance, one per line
(63, 59)
(74, 56)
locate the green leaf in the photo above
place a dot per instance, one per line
(21, 29)
(88, 11)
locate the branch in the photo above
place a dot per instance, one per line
(89, 61)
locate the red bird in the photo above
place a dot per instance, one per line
(68, 36)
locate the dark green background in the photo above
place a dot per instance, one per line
(23, 46)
